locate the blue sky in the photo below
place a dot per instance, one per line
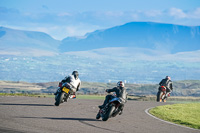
(63, 18)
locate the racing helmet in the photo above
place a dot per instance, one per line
(168, 77)
(120, 84)
(75, 73)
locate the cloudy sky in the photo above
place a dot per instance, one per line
(64, 18)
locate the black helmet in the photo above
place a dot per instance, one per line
(75, 73)
(120, 84)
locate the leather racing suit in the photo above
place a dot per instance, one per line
(120, 93)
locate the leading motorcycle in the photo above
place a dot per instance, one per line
(111, 109)
(64, 93)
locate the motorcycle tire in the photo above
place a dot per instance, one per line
(108, 113)
(59, 98)
(115, 113)
(66, 97)
(98, 116)
(158, 97)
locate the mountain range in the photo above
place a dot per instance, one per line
(141, 52)
(19, 42)
(168, 38)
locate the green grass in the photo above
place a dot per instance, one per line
(183, 114)
(17, 94)
(102, 97)
(77, 96)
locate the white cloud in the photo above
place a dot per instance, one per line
(114, 14)
(79, 30)
(134, 16)
(178, 13)
(61, 32)
(153, 13)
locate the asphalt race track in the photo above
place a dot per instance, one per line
(39, 115)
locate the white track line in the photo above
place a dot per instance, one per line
(147, 112)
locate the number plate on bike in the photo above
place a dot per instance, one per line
(65, 89)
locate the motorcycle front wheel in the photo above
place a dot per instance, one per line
(98, 116)
(108, 113)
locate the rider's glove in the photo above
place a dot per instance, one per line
(107, 90)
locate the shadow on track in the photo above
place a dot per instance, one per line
(6, 130)
(73, 119)
(17, 104)
(81, 120)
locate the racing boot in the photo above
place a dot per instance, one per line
(73, 96)
(104, 104)
(101, 106)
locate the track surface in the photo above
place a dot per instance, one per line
(39, 115)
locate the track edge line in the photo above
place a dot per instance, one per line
(147, 112)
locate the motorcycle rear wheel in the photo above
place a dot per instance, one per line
(59, 98)
(158, 97)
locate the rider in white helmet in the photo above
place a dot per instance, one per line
(72, 82)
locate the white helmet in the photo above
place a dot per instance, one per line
(168, 77)
(120, 84)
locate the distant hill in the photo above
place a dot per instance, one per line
(181, 88)
(20, 42)
(168, 38)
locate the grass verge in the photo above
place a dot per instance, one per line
(183, 114)
(17, 94)
(102, 97)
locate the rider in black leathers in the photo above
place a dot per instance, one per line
(120, 93)
(168, 84)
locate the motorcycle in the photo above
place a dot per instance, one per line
(161, 95)
(63, 94)
(111, 109)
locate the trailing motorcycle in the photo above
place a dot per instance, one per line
(161, 95)
(111, 109)
(63, 94)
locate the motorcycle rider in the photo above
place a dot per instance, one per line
(120, 93)
(72, 82)
(168, 84)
